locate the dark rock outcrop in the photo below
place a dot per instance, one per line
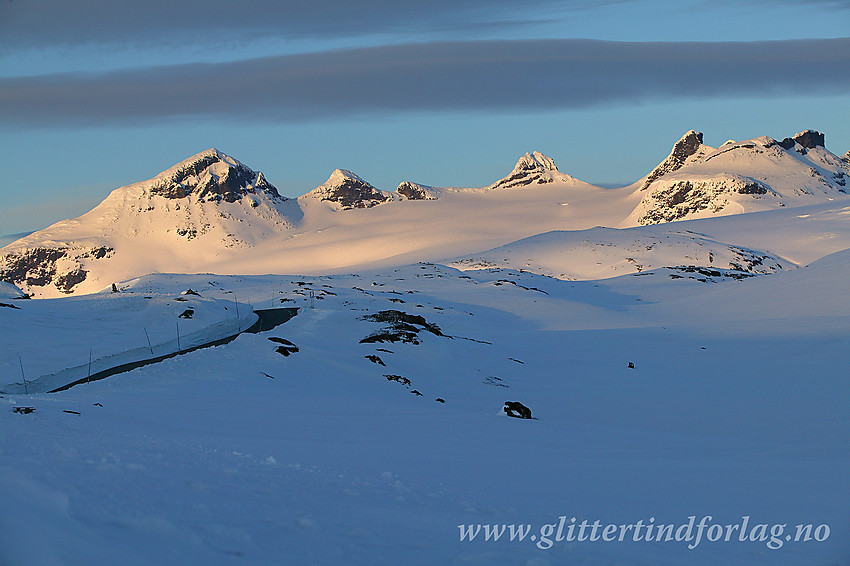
(399, 327)
(228, 182)
(415, 191)
(286, 347)
(517, 410)
(675, 200)
(349, 191)
(810, 139)
(37, 267)
(687, 146)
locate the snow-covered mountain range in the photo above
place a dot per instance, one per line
(674, 372)
(212, 213)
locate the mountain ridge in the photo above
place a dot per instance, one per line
(210, 211)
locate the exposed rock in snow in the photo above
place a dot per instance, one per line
(415, 191)
(349, 191)
(210, 175)
(532, 168)
(697, 181)
(809, 139)
(688, 148)
(676, 199)
(62, 267)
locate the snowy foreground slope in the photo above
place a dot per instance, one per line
(316, 443)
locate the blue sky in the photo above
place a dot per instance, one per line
(94, 95)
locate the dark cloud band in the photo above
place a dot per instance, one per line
(449, 76)
(64, 23)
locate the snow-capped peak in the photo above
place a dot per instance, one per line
(347, 191)
(208, 175)
(536, 160)
(199, 208)
(532, 168)
(341, 176)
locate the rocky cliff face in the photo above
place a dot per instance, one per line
(808, 139)
(40, 266)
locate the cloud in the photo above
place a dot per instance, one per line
(49, 23)
(448, 76)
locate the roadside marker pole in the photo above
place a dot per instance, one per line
(26, 389)
(149, 340)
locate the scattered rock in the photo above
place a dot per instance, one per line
(516, 360)
(189, 291)
(632, 365)
(9, 306)
(401, 327)
(97, 405)
(398, 378)
(375, 359)
(517, 410)
(187, 313)
(440, 400)
(23, 410)
(415, 392)
(72, 412)
(286, 347)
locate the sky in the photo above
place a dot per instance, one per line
(95, 94)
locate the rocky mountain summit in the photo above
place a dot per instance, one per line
(210, 201)
(210, 175)
(532, 169)
(347, 191)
